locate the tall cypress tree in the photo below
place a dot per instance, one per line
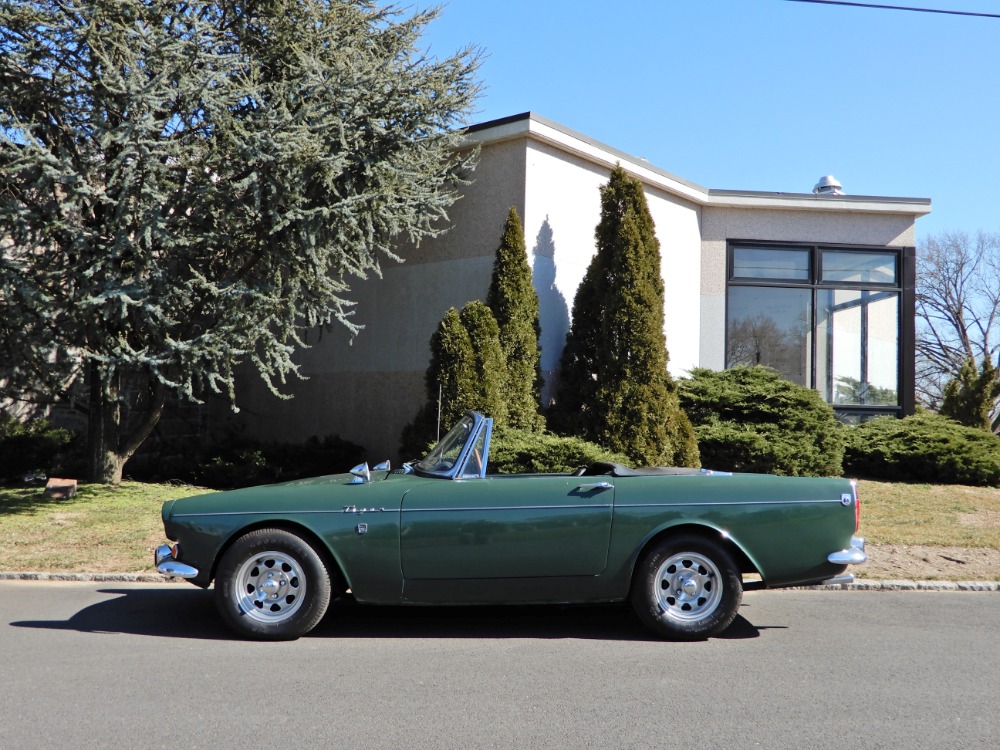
(488, 368)
(514, 303)
(467, 371)
(449, 380)
(614, 385)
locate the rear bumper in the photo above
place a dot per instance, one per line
(853, 555)
(168, 566)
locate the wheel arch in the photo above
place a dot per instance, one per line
(338, 579)
(741, 557)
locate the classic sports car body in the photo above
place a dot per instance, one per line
(677, 542)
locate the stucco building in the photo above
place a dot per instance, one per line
(817, 286)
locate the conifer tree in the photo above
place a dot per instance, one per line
(449, 383)
(466, 372)
(615, 388)
(514, 303)
(185, 186)
(969, 397)
(488, 394)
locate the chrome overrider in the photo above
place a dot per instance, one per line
(853, 555)
(168, 566)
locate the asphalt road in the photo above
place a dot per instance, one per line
(132, 665)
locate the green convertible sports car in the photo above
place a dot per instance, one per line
(677, 543)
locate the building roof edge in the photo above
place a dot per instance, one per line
(532, 125)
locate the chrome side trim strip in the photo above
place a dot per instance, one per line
(287, 511)
(508, 507)
(282, 512)
(729, 502)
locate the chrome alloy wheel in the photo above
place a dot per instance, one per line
(270, 587)
(687, 587)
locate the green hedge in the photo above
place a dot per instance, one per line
(523, 452)
(750, 419)
(923, 448)
(243, 462)
(33, 446)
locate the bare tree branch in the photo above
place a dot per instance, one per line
(958, 309)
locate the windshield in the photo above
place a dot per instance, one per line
(444, 455)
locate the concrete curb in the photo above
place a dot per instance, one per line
(864, 585)
(90, 577)
(859, 585)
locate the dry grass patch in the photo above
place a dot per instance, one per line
(104, 529)
(933, 515)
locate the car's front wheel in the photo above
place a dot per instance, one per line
(687, 587)
(272, 585)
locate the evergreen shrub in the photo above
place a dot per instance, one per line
(515, 451)
(750, 419)
(925, 447)
(243, 462)
(33, 446)
(614, 386)
(514, 303)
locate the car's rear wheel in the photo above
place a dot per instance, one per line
(272, 585)
(687, 587)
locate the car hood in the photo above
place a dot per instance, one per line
(261, 497)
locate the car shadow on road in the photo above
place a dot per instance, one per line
(160, 610)
(166, 611)
(611, 622)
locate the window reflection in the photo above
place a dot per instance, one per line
(770, 263)
(770, 326)
(786, 309)
(867, 268)
(857, 346)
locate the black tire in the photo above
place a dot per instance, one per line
(272, 585)
(687, 587)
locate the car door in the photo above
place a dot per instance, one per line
(506, 527)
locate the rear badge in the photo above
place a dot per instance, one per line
(362, 528)
(846, 499)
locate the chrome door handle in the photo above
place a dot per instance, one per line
(595, 486)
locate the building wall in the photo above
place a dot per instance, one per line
(720, 224)
(368, 388)
(562, 210)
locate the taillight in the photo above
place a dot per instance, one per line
(857, 506)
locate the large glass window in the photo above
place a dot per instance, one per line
(857, 341)
(770, 326)
(860, 267)
(828, 318)
(771, 263)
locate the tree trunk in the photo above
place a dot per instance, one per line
(104, 463)
(108, 449)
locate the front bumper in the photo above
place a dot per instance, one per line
(168, 566)
(853, 555)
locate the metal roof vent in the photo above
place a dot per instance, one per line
(828, 185)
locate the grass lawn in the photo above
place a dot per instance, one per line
(115, 529)
(938, 515)
(104, 529)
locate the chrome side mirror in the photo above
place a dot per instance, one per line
(362, 474)
(384, 466)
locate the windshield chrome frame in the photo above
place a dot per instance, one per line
(479, 424)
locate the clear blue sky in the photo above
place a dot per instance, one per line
(760, 94)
